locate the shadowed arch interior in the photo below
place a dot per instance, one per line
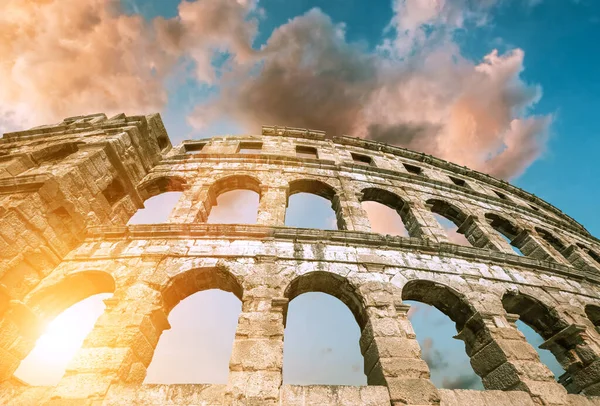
(52, 300)
(551, 239)
(543, 319)
(235, 182)
(503, 226)
(196, 280)
(447, 210)
(156, 186)
(593, 313)
(443, 298)
(331, 284)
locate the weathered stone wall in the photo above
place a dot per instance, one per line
(119, 162)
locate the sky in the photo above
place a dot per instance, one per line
(506, 87)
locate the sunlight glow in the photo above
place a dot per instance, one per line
(47, 362)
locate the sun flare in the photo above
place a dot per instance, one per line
(48, 360)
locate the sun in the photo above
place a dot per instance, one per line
(48, 360)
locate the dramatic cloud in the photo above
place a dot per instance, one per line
(470, 381)
(434, 359)
(416, 90)
(70, 57)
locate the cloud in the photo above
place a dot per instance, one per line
(71, 57)
(415, 89)
(434, 359)
(426, 97)
(470, 381)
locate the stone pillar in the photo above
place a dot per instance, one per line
(532, 245)
(420, 222)
(504, 360)
(272, 206)
(255, 369)
(353, 214)
(481, 235)
(193, 207)
(19, 328)
(119, 348)
(393, 356)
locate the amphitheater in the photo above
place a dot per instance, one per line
(68, 190)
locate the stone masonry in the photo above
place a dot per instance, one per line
(68, 190)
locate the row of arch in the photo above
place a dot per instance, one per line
(534, 241)
(570, 345)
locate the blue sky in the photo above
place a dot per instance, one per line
(538, 125)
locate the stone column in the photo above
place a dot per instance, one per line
(19, 328)
(194, 206)
(272, 206)
(350, 208)
(420, 222)
(504, 360)
(255, 368)
(393, 356)
(120, 347)
(481, 235)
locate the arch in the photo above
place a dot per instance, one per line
(196, 280)
(161, 184)
(234, 182)
(331, 284)
(506, 228)
(447, 210)
(390, 200)
(49, 301)
(321, 189)
(313, 186)
(552, 240)
(444, 298)
(542, 318)
(335, 289)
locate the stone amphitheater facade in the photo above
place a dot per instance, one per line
(68, 190)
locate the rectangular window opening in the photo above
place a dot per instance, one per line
(361, 159)
(458, 182)
(413, 169)
(303, 151)
(250, 147)
(501, 195)
(114, 192)
(194, 148)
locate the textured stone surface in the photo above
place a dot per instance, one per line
(67, 191)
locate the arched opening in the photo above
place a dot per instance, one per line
(157, 209)
(551, 240)
(313, 204)
(68, 312)
(592, 254)
(160, 195)
(321, 339)
(387, 212)
(437, 313)
(593, 313)
(450, 218)
(234, 200)
(203, 306)
(539, 323)
(506, 229)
